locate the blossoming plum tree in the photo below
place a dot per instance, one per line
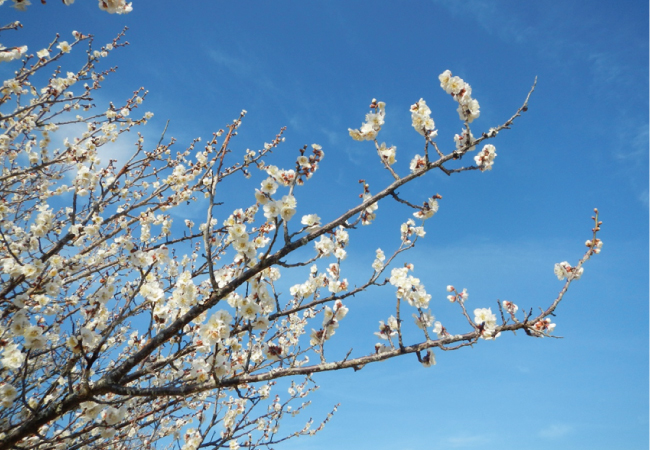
(116, 330)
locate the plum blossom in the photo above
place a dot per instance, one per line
(10, 54)
(424, 320)
(429, 208)
(12, 357)
(468, 108)
(64, 47)
(487, 322)
(417, 163)
(115, 6)
(113, 416)
(421, 120)
(464, 139)
(368, 214)
(8, 394)
(310, 221)
(387, 330)
(373, 123)
(485, 158)
(510, 307)
(269, 186)
(543, 327)
(564, 270)
(387, 154)
(378, 264)
(272, 209)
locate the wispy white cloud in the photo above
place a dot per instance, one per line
(491, 18)
(468, 440)
(643, 198)
(236, 65)
(545, 38)
(334, 137)
(555, 431)
(246, 66)
(633, 146)
(604, 67)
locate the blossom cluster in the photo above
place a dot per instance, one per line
(422, 121)
(331, 319)
(333, 245)
(368, 214)
(543, 327)
(409, 288)
(374, 121)
(387, 330)
(387, 154)
(487, 323)
(464, 140)
(9, 54)
(468, 108)
(408, 230)
(485, 158)
(429, 208)
(564, 270)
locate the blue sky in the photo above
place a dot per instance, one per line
(314, 66)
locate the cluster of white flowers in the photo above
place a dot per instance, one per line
(310, 221)
(422, 121)
(284, 208)
(387, 154)
(409, 288)
(429, 208)
(388, 329)
(408, 229)
(485, 158)
(307, 165)
(418, 163)
(193, 439)
(510, 307)
(425, 320)
(468, 108)
(285, 177)
(543, 327)
(378, 263)
(12, 357)
(564, 270)
(9, 54)
(373, 123)
(84, 341)
(8, 394)
(487, 322)
(114, 6)
(309, 287)
(32, 334)
(334, 245)
(336, 285)
(331, 318)
(464, 139)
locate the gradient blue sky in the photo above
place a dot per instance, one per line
(314, 66)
